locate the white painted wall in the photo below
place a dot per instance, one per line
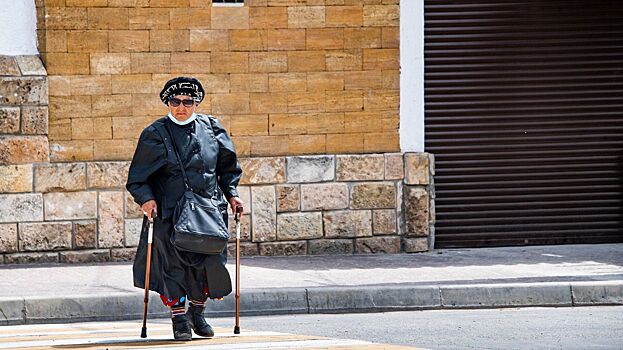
(18, 24)
(412, 76)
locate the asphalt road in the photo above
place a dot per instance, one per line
(526, 328)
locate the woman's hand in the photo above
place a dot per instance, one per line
(236, 204)
(149, 207)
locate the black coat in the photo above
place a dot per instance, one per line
(212, 168)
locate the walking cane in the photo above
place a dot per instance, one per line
(237, 218)
(150, 238)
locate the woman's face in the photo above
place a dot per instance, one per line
(180, 111)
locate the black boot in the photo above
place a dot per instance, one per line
(181, 328)
(198, 322)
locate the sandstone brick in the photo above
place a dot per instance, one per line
(235, 103)
(249, 125)
(269, 170)
(307, 144)
(65, 17)
(110, 224)
(381, 15)
(360, 167)
(373, 195)
(85, 256)
(63, 106)
(344, 143)
(391, 80)
(262, 146)
(8, 66)
(16, 178)
(381, 59)
(310, 168)
(132, 232)
(86, 3)
(71, 151)
(9, 120)
(110, 105)
(382, 100)
(300, 102)
(342, 101)
(128, 3)
(268, 102)
(107, 174)
(415, 245)
(212, 83)
(325, 123)
(132, 209)
(143, 107)
(306, 16)
(128, 41)
(344, 16)
(34, 120)
(108, 18)
(347, 223)
(209, 40)
(59, 85)
(133, 83)
(8, 238)
(230, 62)
(114, 149)
(254, 82)
(325, 81)
(190, 18)
(90, 85)
(306, 61)
(148, 18)
(268, 62)
(87, 41)
(23, 90)
(44, 236)
(187, 62)
(377, 245)
(344, 60)
(287, 82)
(85, 234)
(363, 121)
(287, 124)
(23, 149)
(247, 40)
(384, 221)
(230, 17)
(30, 65)
(264, 218)
(381, 142)
(330, 246)
(416, 203)
(55, 41)
(70, 205)
(324, 196)
(31, 258)
(288, 198)
(59, 130)
(246, 249)
(363, 80)
(122, 254)
(60, 177)
(390, 37)
(67, 63)
(417, 169)
(285, 39)
(394, 166)
(294, 226)
(268, 17)
(325, 38)
(150, 62)
(283, 248)
(169, 3)
(365, 37)
(82, 129)
(169, 40)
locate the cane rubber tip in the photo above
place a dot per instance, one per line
(236, 330)
(144, 333)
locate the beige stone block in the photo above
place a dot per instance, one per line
(59, 129)
(268, 62)
(71, 151)
(268, 17)
(128, 41)
(344, 16)
(24, 90)
(132, 84)
(65, 18)
(59, 85)
(382, 100)
(377, 245)
(390, 37)
(325, 123)
(212, 83)
(230, 17)
(200, 3)
(416, 204)
(394, 166)
(295, 226)
(110, 105)
(23, 149)
(262, 146)
(60, 177)
(30, 65)
(247, 40)
(300, 102)
(365, 37)
(90, 84)
(129, 127)
(306, 16)
(264, 219)
(360, 167)
(381, 142)
(368, 195)
(325, 81)
(230, 62)
(9, 120)
(148, 18)
(391, 80)
(67, 63)
(237, 103)
(384, 222)
(85, 256)
(268, 102)
(381, 59)
(169, 3)
(252, 82)
(269, 170)
(110, 63)
(344, 60)
(209, 40)
(151, 62)
(248, 125)
(107, 174)
(32, 258)
(132, 232)
(325, 38)
(190, 18)
(62, 107)
(363, 121)
(55, 41)
(288, 198)
(142, 104)
(8, 66)
(108, 18)
(287, 82)
(169, 40)
(122, 254)
(306, 144)
(415, 245)
(344, 143)
(87, 41)
(70, 205)
(283, 248)
(417, 169)
(330, 246)
(190, 62)
(16, 178)
(21, 207)
(86, 3)
(110, 223)
(82, 129)
(128, 3)
(338, 101)
(132, 209)
(8, 238)
(306, 61)
(325, 196)
(287, 124)
(285, 39)
(44, 236)
(114, 149)
(347, 223)
(381, 15)
(85, 234)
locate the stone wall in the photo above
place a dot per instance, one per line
(328, 204)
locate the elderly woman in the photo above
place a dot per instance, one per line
(155, 181)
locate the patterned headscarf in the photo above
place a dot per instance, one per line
(182, 86)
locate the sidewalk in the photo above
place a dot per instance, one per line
(569, 275)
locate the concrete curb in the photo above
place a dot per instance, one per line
(123, 306)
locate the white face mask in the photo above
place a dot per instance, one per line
(187, 121)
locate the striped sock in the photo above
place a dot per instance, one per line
(198, 303)
(177, 311)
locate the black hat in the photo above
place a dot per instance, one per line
(182, 86)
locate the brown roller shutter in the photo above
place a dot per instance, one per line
(524, 114)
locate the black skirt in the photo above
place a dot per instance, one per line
(175, 274)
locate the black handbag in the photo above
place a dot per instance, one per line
(198, 224)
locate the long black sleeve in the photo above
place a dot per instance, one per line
(227, 168)
(150, 155)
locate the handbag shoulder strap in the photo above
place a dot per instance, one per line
(179, 160)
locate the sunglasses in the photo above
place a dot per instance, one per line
(176, 102)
